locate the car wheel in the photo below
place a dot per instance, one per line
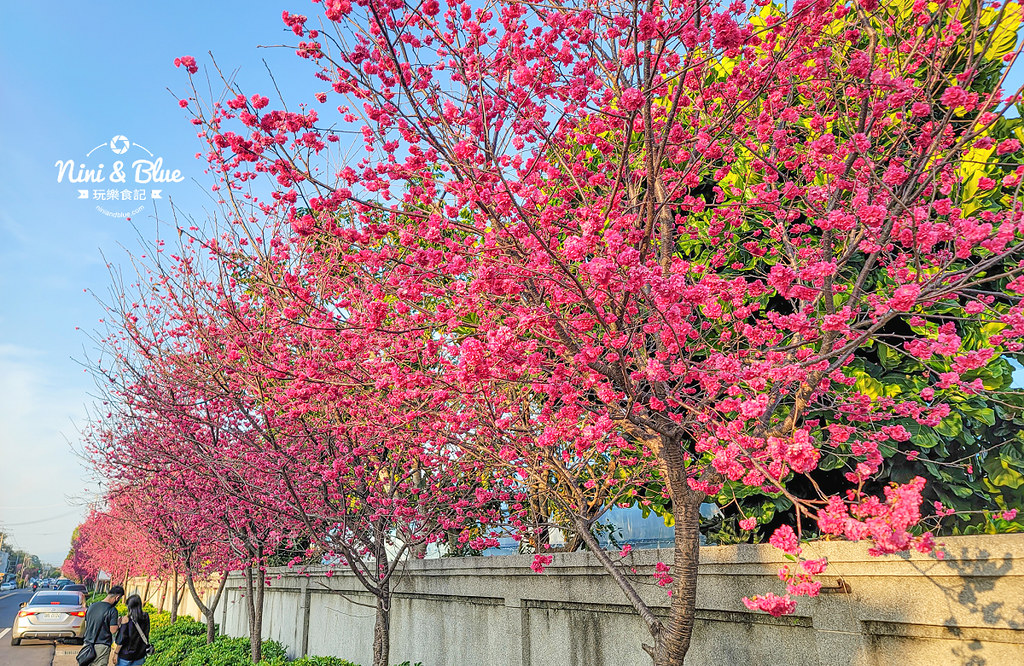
(15, 641)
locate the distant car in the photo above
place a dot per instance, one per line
(62, 583)
(51, 615)
(74, 587)
(8, 585)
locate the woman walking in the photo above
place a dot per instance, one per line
(133, 634)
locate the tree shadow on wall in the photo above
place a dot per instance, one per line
(966, 580)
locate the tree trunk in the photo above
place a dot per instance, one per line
(539, 536)
(671, 638)
(260, 589)
(672, 642)
(145, 595)
(211, 626)
(254, 599)
(174, 600)
(382, 629)
(208, 611)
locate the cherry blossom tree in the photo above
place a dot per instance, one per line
(109, 541)
(167, 439)
(674, 226)
(193, 535)
(235, 401)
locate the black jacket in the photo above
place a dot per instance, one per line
(132, 645)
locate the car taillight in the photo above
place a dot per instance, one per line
(26, 613)
(77, 613)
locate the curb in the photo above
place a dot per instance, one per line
(64, 655)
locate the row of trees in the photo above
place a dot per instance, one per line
(21, 565)
(593, 254)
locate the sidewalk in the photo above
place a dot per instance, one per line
(64, 655)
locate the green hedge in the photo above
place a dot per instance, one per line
(225, 651)
(96, 596)
(321, 661)
(328, 661)
(183, 643)
(160, 626)
(159, 622)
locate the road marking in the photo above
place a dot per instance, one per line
(9, 594)
(4, 632)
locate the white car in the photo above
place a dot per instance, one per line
(9, 585)
(50, 615)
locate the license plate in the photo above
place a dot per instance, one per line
(53, 616)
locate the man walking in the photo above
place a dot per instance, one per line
(101, 624)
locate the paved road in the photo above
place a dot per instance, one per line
(29, 653)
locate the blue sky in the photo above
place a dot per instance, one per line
(74, 75)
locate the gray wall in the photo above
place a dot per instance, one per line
(967, 609)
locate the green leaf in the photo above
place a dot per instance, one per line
(985, 415)
(920, 435)
(1002, 472)
(764, 512)
(889, 357)
(869, 386)
(951, 426)
(830, 461)
(1004, 34)
(926, 439)
(1009, 478)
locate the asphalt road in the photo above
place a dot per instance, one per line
(29, 653)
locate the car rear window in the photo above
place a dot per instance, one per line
(55, 600)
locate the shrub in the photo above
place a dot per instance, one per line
(321, 661)
(327, 661)
(173, 650)
(174, 643)
(159, 622)
(184, 644)
(161, 627)
(96, 596)
(225, 651)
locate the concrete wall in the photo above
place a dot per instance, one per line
(966, 610)
(160, 594)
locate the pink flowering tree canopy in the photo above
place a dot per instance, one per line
(109, 541)
(597, 254)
